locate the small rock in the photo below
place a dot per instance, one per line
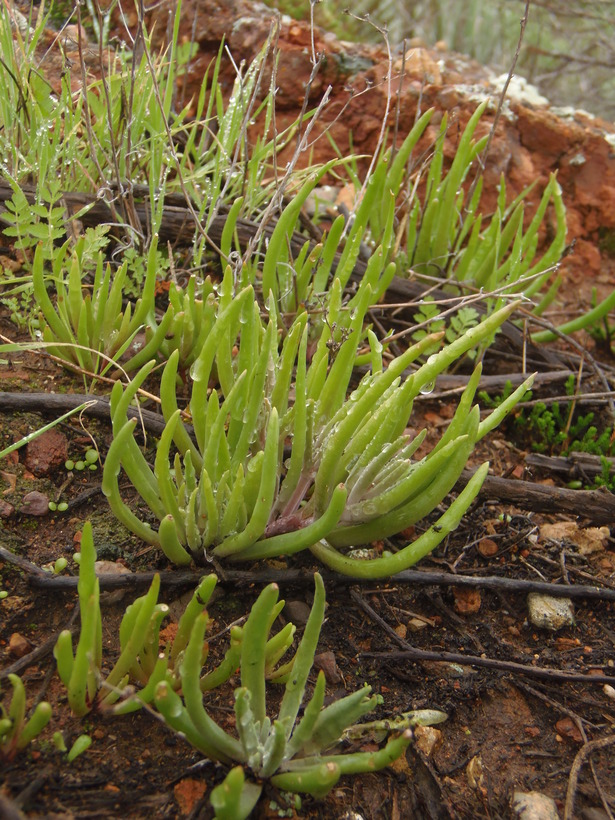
(19, 646)
(487, 547)
(110, 568)
(297, 612)
(416, 624)
(566, 727)
(188, 793)
(46, 452)
(587, 540)
(467, 601)
(326, 661)
(35, 503)
(401, 630)
(427, 739)
(551, 613)
(534, 806)
(446, 669)
(6, 509)
(10, 478)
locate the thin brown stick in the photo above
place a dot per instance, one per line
(412, 653)
(582, 755)
(57, 402)
(580, 725)
(553, 703)
(40, 652)
(595, 506)
(299, 577)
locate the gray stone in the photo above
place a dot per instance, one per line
(547, 612)
(534, 806)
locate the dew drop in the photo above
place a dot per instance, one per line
(427, 388)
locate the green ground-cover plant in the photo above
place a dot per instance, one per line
(95, 331)
(80, 745)
(298, 754)
(445, 232)
(605, 479)
(449, 235)
(234, 493)
(132, 681)
(17, 731)
(553, 429)
(557, 428)
(139, 660)
(445, 235)
(65, 142)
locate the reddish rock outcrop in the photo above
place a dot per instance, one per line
(531, 140)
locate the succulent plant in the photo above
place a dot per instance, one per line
(93, 331)
(142, 663)
(298, 754)
(16, 732)
(263, 474)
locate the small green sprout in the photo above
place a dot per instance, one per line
(91, 457)
(57, 566)
(92, 331)
(89, 461)
(298, 754)
(141, 661)
(15, 731)
(80, 745)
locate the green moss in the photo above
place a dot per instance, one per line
(606, 241)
